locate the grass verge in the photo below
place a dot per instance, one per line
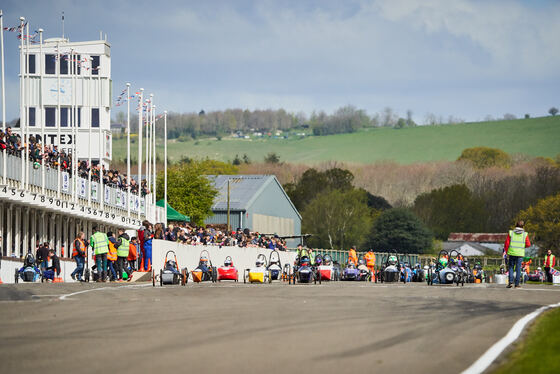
(539, 351)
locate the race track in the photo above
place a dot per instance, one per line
(236, 328)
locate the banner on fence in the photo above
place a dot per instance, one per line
(107, 194)
(82, 183)
(65, 182)
(94, 191)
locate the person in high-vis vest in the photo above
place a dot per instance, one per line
(123, 248)
(79, 255)
(311, 256)
(100, 245)
(370, 263)
(516, 242)
(548, 265)
(112, 257)
(353, 256)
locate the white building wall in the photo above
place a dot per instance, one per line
(86, 89)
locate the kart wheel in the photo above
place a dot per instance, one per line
(320, 280)
(269, 277)
(16, 276)
(245, 276)
(161, 278)
(153, 278)
(86, 276)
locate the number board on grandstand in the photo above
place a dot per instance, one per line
(51, 202)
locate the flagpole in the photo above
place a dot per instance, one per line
(140, 119)
(154, 156)
(42, 116)
(165, 163)
(101, 139)
(4, 174)
(90, 132)
(77, 120)
(21, 96)
(27, 146)
(149, 145)
(58, 118)
(128, 146)
(73, 123)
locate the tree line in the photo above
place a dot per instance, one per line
(346, 119)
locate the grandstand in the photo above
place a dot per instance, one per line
(65, 104)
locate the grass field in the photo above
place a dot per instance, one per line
(535, 137)
(538, 352)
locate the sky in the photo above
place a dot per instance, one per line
(463, 58)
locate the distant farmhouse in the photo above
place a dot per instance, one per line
(480, 244)
(118, 128)
(256, 202)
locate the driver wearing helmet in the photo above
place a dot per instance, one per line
(203, 264)
(362, 265)
(228, 262)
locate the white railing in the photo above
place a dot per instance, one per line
(112, 199)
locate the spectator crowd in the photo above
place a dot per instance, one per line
(210, 235)
(50, 157)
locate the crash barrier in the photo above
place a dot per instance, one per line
(114, 200)
(10, 264)
(189, 255)
(342, 256)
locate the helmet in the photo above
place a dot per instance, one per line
(228, 262)
(539, 269)
(203, 259)
(426, 267)
(393, 260)
(327, 260)
(29, 260)
(259, 262)
(171, 264)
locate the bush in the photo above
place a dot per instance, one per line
(484, 157)
(401, 230)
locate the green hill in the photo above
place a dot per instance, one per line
(534, 136)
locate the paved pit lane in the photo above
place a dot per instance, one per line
(273, 328)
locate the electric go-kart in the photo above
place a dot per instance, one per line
(326, 269)
(170, 274)
(228, 271)
(29, 271)
(275, 266)
(418, 273)
(537, 276)
(478, 273)
(259, 273)
(447, 269)
(205, 271)
(390, 271)
(304, 272)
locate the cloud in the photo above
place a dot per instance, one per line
(462, 58)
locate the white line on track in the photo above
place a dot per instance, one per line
(494, 351)
(65, 296)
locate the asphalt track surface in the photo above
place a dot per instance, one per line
(273, 328)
